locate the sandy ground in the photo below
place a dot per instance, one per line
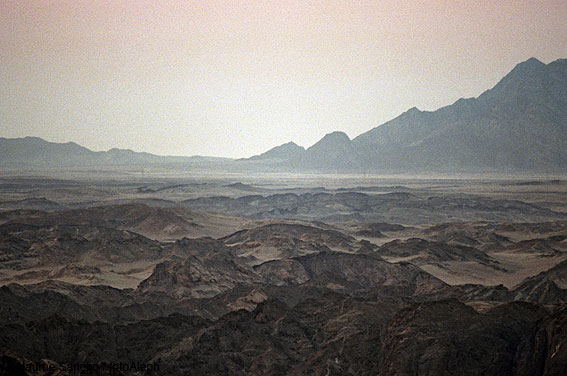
(518, 267)
(78, 189)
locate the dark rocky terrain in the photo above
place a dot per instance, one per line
(397, 207)
(232, 278)
(425, 251)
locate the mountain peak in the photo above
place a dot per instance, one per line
(414, 111)
(334, 152)
(120, 151)
(30, 140)
(527, 67)
(336, 136)
(532, 61)
(290, 144)
(525, 77)
(284, 151)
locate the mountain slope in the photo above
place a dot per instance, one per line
(36, 151)
(547, 287)
(518, 124)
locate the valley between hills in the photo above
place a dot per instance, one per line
(283, 274)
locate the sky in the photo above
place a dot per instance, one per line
(235, 78)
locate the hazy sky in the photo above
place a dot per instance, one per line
(234, 78)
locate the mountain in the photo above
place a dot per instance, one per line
(519, 124)
(547, 287)
(335, 151)
(282, 152)
(36, 152)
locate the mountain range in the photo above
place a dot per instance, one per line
(518, 125)
(37, 152)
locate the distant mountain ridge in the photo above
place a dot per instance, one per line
(282, 152)
(518, 125)
(35, 151)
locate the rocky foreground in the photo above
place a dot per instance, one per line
(285, 284)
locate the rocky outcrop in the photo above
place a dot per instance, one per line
(447, 338)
